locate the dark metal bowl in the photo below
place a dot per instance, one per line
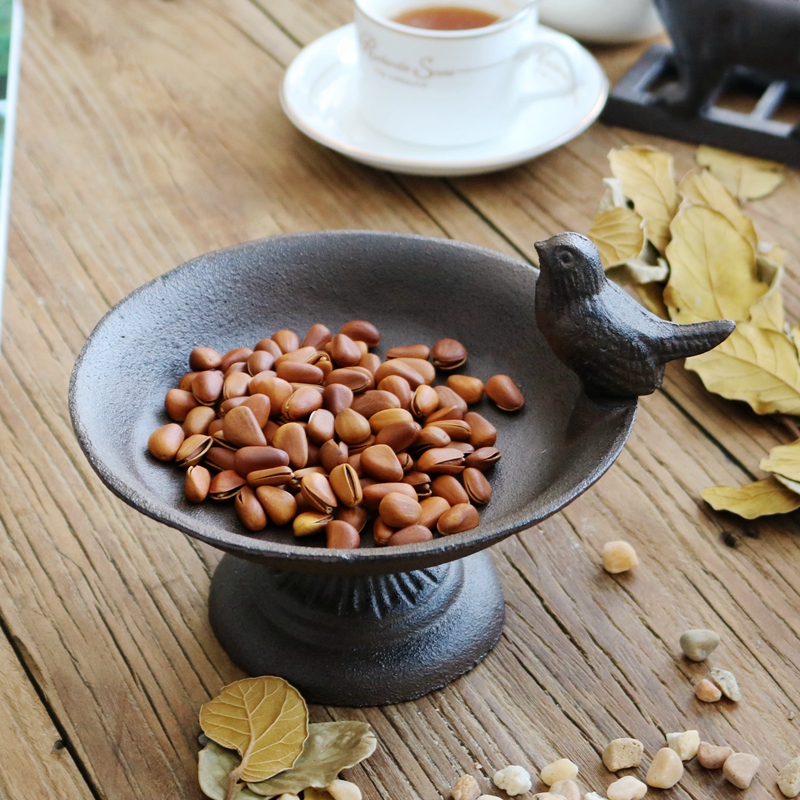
(415, 289)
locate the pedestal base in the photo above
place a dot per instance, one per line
(358, 641)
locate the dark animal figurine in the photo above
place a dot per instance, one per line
(617, 347)
(711, 36)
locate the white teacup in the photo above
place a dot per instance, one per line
(454, 87)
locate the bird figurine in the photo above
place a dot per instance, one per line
(617, 347)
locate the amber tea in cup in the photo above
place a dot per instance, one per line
(452, 75)
(446, 18)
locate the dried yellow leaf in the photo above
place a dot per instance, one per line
(788, 483)
(756, 365)
(636, 273)
(316, 794)
(618, 235)
(744, 177)
(264, 719)
(214, 767)
(330, 748)
(613, 197)
(772, 252)
(641, 271)
(795, 334)
(702, 188)
(713, 271)
(784, 460)
(648, 179)
(652, 297)
(767, 311)
(767, 496)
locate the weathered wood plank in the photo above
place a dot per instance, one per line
(35, 760)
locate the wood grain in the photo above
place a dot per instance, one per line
(35, 761)
(150, 132)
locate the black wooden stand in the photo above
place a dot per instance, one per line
(632, 104)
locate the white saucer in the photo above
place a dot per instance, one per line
(319, 98)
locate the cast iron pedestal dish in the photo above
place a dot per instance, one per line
(350, 627)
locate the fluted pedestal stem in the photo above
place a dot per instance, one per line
(358, 640)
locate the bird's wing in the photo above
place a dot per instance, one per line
(667, 340)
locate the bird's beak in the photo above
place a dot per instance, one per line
(543, 250)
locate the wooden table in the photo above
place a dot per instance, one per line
(149, 132)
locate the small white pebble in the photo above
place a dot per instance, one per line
(698, 643)
(561, 770)
(567, 789)
(465, 788)
(343, 790)
(622, 754)
(619, 557)
(488, 797)
(740, 769)
(727, 684)
(593, 796)
(666, 769)
(684, 743)
(512, 780)
(789, 778)
(627, 788)
(549, 796)
(288, 796)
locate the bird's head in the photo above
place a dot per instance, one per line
(571, 260)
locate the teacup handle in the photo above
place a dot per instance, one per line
(545, 48)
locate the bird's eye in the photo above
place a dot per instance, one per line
(565, 257)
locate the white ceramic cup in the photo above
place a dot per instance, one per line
(459, 87)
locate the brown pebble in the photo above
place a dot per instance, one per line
(713, 756)
(707, 691)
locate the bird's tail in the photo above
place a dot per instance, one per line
(699, 337)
